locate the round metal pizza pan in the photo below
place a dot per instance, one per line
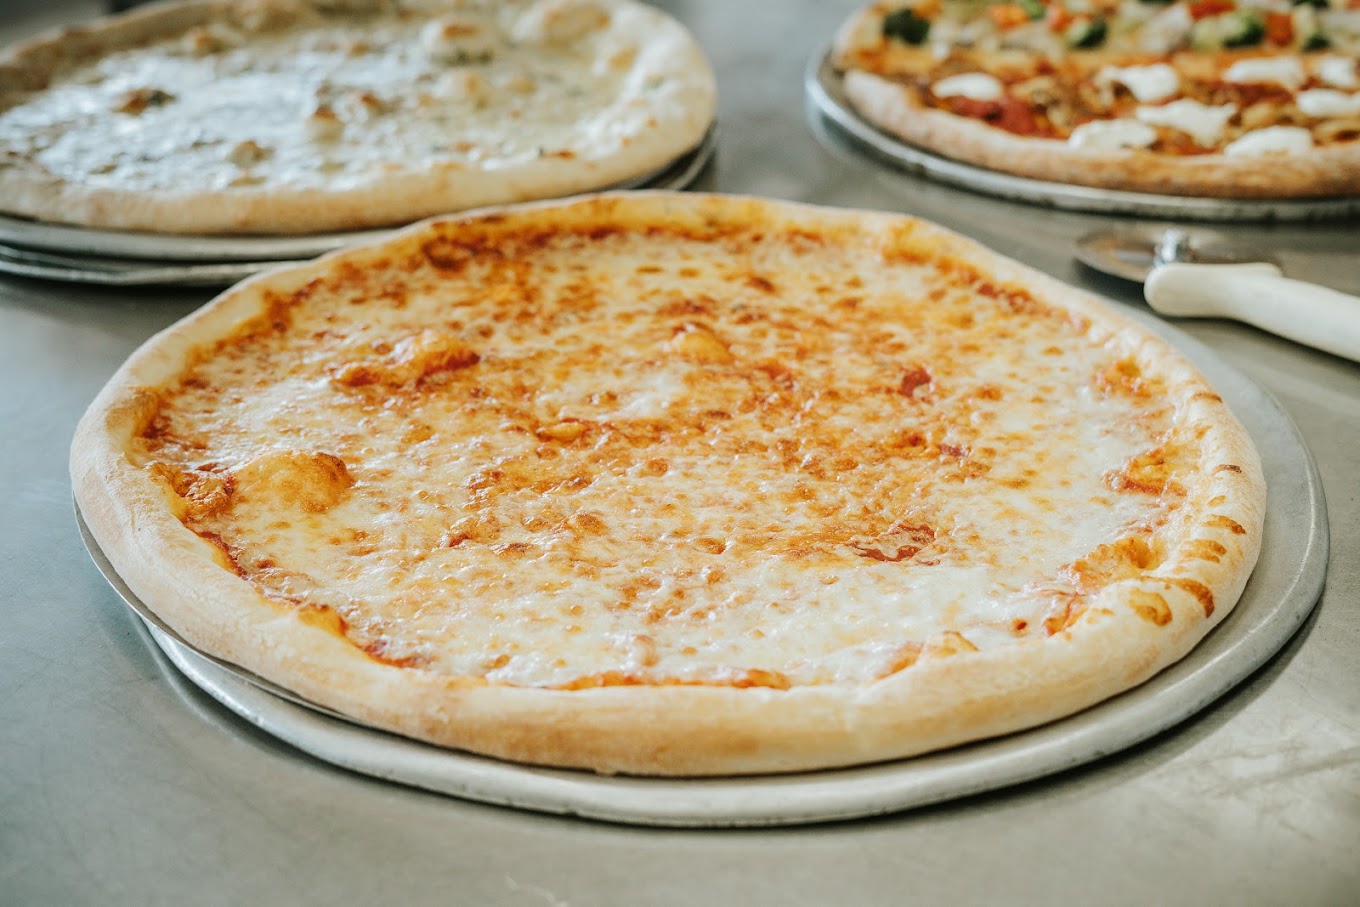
(115, 272)
(131, 258)
(827, 101)
(1281, 593)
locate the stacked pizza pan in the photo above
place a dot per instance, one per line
(200, 142)
(781, 513)
(131, 258)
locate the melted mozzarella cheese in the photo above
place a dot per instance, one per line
(1112, 134)
(1147, 83)
(1286, 71)
(976, 86)
(672, 458)
(460, 40)
(1202, 122)
(551, 22)
(384, 80)
(1337, 71)
(1327, 102)
(1166, 31)
(1271, 140)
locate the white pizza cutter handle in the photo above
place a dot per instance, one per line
(1260, 295)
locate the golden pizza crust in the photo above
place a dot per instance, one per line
(1131, 629)
(896, 108)
(400, 191)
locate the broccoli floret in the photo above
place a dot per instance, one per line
(905, 25)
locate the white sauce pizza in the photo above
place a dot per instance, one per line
(675, 485)
(285, 116)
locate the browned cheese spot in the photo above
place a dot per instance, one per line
(380, 650)
(1147, 473)
(408, 362)
(759, 677)
(950, 642)
(311, 481)
(1067, 608)
(915, 377)
(417, 433)
(697, 343)
(137, 100)
(324, 618)
(1198, 590)
(1205, 550)
(204, 493)
(1150, 606)
(906, 655)
(1125, 558)
(1219, 521)
(565, 431)
(903, 541)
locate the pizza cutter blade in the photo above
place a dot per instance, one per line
(1197, 274)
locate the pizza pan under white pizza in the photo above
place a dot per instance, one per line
(1282, 591)
(826, 99)
(117, 272)
(130, 258)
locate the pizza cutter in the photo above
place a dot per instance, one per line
(1198, 275)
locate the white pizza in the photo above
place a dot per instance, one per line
(288, 116)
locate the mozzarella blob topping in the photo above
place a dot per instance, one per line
(1147, 84)
(976, 86)
(1327, 102)
(1112, 134)
(1271, 140)
(1202, 122)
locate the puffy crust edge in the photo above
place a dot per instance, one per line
(30, 190)
(898, 109)
(670, 730)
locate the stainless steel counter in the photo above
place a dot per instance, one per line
(119, 784)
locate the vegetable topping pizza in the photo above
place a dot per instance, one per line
(1224, 98)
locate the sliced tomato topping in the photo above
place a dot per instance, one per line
(1057, 18)
(1018, 117)
(1203, 9)
(1010, 114)
(1279, 29)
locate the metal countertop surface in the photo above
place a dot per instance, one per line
(121, 784)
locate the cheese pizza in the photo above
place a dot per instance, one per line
(675, 485)
(1218, 98)
(302, 116)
